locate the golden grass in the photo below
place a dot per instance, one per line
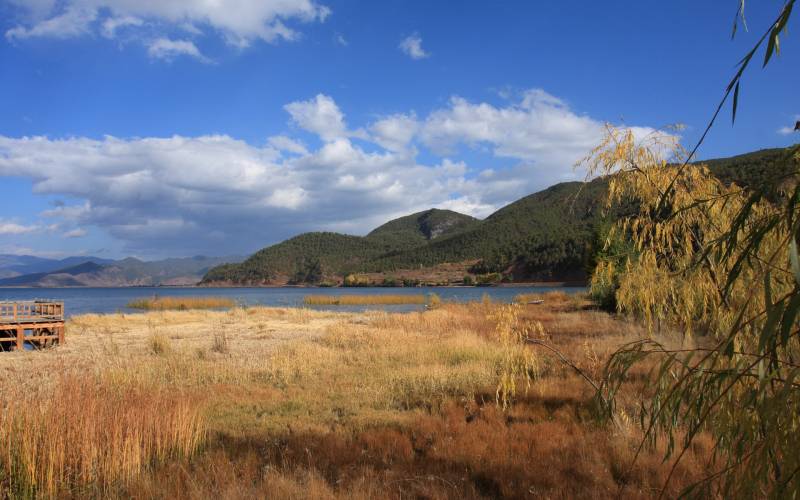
(301, 403)
(556, 297)
(353, 300)
(88, 434)
(181, 303)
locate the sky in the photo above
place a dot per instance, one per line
(158, 128)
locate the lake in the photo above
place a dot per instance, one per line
(109, 300)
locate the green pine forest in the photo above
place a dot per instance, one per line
(552, 235)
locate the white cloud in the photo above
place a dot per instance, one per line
(319, 115)
(239, 22)
(341, 40)
(74, 21)
(190, 28)
(112, 24)
(284, 143)
(395, 132)
(166, 49)
(12, 228)
(539, 125)
(217, 194)
(47, 254)
(76, 233)
(412, 46)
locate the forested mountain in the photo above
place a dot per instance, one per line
(542, 236)
(549, 235)
(333, 253)
(420, 228)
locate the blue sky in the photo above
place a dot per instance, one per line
(156, 128)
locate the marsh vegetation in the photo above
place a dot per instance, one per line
(316, 404)
(157, 303)
(352, 300)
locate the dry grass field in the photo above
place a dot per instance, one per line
(295, 403)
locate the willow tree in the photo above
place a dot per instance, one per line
(720, 263)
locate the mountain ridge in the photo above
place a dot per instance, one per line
(550, 235)
(130, 271)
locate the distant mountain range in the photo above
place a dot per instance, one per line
(551, 235)
(24, 270)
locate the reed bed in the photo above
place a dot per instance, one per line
(303, 403)
(556, 299)
(85, 435)
(358, 300)
(181, 303)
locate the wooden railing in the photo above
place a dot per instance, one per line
(31, 311)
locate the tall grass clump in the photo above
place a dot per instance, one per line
(518, 363)
(357, 300)
(158, 344)
(86, 436)
(180, 303)
(219, 343)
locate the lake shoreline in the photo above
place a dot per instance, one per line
(549, 284)
(79, 300)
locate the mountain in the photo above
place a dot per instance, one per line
(62, 277)
(542, 236)
(422, 227)
(16, 265)
(125, 272)
(549, 235)
(340, 253)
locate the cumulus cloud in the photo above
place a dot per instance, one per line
(166, 49)
(320, 116)
(76, 233)
(287, 144)
(395, 132)
(218, 194)
(12, 228)
(239, 22)
(539, 124)
(412, 47)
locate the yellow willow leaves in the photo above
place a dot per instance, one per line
(685, 213)
(714, 260)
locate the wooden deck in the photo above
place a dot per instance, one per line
(34, 324)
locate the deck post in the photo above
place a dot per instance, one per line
(60, 330)
(15, 312)
(20, 338)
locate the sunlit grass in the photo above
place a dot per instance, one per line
(180, 303)
(552, 298)
(292, 397)
(87, 433)
(357, 300)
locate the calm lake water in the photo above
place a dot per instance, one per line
(109, 300)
